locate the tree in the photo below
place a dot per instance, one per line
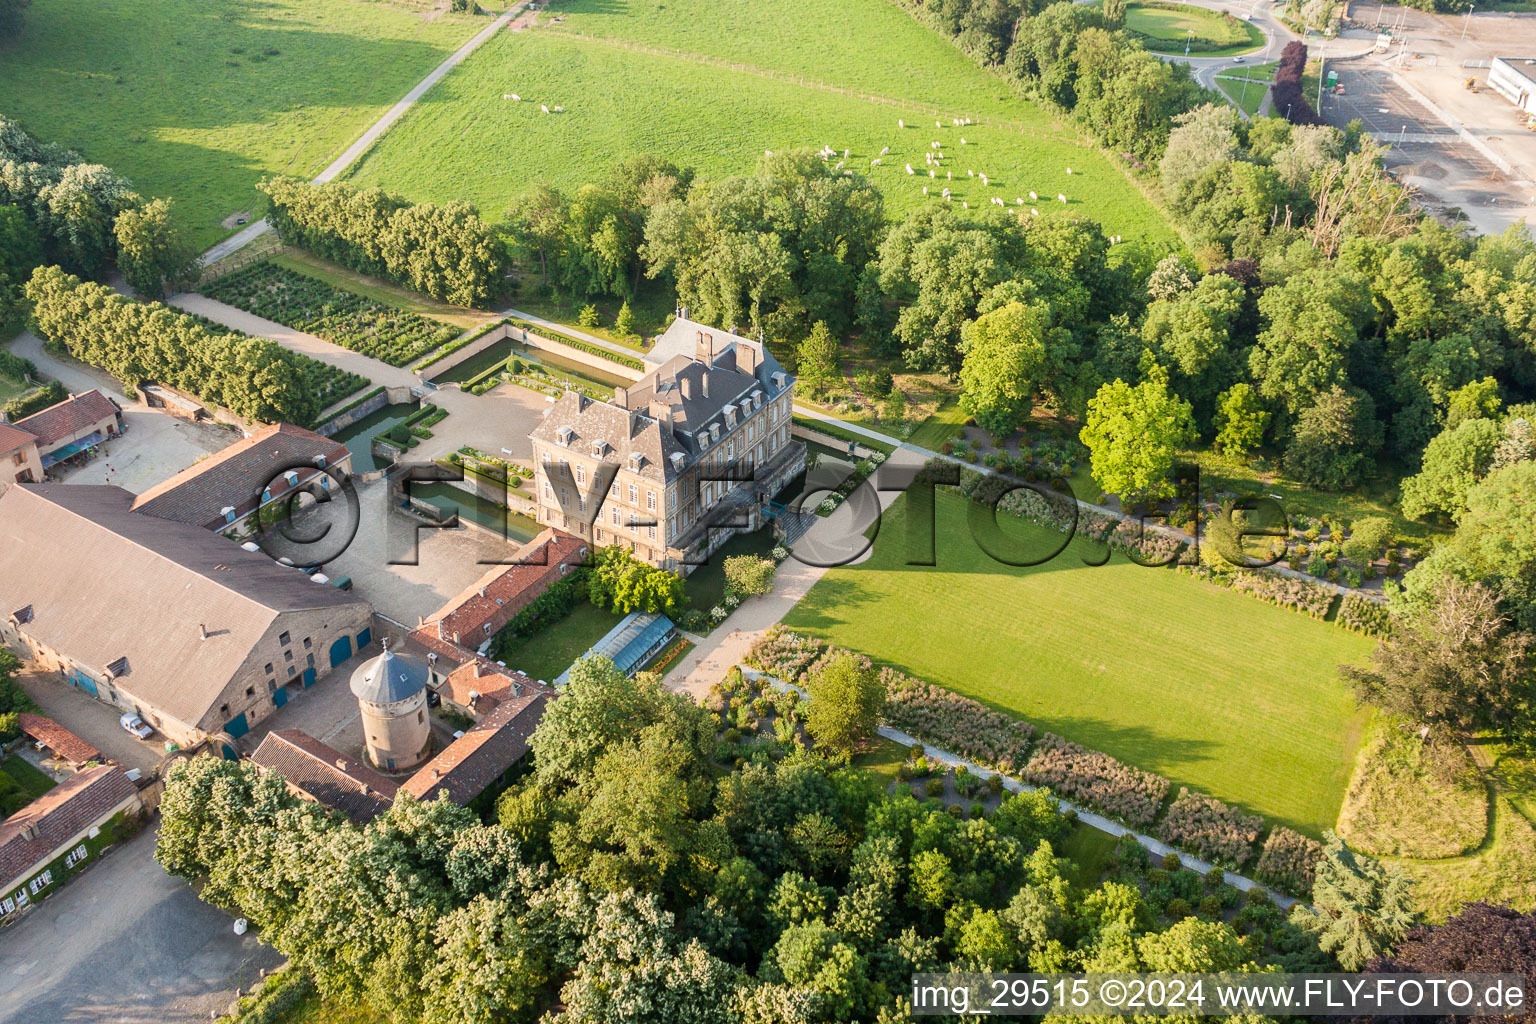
(1335, 440)
(1453, 664)
(846, 698)
(620, 582)
(1204, 137)
(1133, 435)
(1367, 538)
(624, 322)
(1311, 325)
(1004, 358)
(1169, 278)
(1240, 420)
(81, 208)
(1482, 938)
(537, 221)
(153, 251)
(895, 408)
(1496, 536)
(1363, 906)
(818, 364)
(749, 575)
(1191, 332)
(1455, 460)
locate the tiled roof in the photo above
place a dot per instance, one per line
(488, 682)
(58, 816)
(69, 418)
(236, 476)
(325, 774)
(14, 439)
(56, 738)
(483, 754)
(105, 584)
(506, 590)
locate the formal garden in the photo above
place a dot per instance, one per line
(344, 318)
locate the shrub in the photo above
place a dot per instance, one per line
(955, 723)
(1213, 830)
(1288, 861)
(785, 654)
(978, 810)
(1210, 906)
(935, 786)
(749, 575)
(1171, 862)
(1097, 779)
(1177, 909)
(1310, 598)
(1363, 615)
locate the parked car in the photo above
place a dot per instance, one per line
(342, 582)
(134, 724)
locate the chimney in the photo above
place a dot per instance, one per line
(29, 830)
(686, 385)
(341, 763)
(704, 383)
(747, 358)
(661, 412)
(621, 398)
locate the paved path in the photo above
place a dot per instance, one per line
(348, 156)
(125, 943)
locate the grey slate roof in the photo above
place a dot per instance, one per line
(235, 476)
(668, 409)
(105, 583)
(390, 677)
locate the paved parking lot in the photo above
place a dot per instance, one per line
(125, 943)
(90, 719)
(1387, 111)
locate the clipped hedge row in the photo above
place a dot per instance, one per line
(555, 334)
(1096, 779)
(1217, 832)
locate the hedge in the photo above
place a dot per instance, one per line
(1216, 831)
(556, 334)
(1096, 779)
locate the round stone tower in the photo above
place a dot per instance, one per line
(391, 690)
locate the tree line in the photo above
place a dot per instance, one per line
(136, 342)
(445, 251)
(55, 208)
(636, 873)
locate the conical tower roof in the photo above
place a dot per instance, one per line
(389, 678)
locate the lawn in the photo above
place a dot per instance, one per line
(881, 758)
(1165, 27)
(1212, 689)
(547, 654)
(199, 100)
(729, 87)
(705, 586)
(1411, 799)
(1246, 93)
(20, 784)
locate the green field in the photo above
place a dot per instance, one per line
(1165, 27)
(198, 100)
(1245, 92)
(1223, 692)
(800, 66)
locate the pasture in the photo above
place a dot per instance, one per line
(730, 86)
(1212, 689)
(197, 101)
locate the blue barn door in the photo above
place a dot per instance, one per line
(83, 681)
(228, 752)
(237, 726)
(309, 677)
(341, 650)
(280, 696)
(363, 638)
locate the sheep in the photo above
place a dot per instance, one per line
(1061, 197)
(900, 123)
(949, 175)
(932, 173)
(558, 110)
(971, 173)
(1018, 201)
(1034, 198)
(886, 150)
(983, 181)
(962, 140)
(876, 162)
(965, 204)
(845, 154)
(936, 124)
(933, 145)
(767, 152)
(925, 190)
(967, 120)
(839, 166)
(909, 168)
(543, 108)
(1069, 170)
(1034, 212)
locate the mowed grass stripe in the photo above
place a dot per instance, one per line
(155, 90)
(465, 141)
(1212, 689)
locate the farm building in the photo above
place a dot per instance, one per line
(223, 491)
(58, 833)
(19, 461)
(184, 627)
(73, 426)
(315, 771)
(1514, 78)
(675, 464)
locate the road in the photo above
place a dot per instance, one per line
(125, 943)
(349, 156)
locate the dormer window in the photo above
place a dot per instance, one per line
(757, 399)
(746, 407)
(714, 431)
(292, 478)
(730, 416)
(599, 449)
(778, 379)
(635, 459)
(564, 436)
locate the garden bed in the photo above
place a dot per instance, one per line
(344, 318)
